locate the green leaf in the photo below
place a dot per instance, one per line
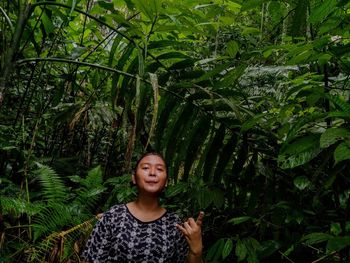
(173, 54)
(149, 7)
(332, 135)
(232, 48)
(165, 43)
(322, 11)
(225, 157)
(227, 248)
(48, 25)
(252, 246)
(269, 247)
(204, 198)
(299, 152)
(339, 103)
(52, 186)
(239, 220)
(336, 229)
(341, 153)
(231, 77)
(212, 73)
(215, 251)
(250, 4)
(218, 197)
(253, 121)
(299, 18)
(308, 119)
(241, 250)
(323, 58)
(316, 238)
(212, 155)
(338, 243)
(301, 182)
(301, 58)
(106, 5)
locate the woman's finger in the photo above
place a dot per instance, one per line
(187, 227)
(200, 218)
(182, 229)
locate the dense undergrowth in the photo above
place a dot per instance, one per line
(247, 100)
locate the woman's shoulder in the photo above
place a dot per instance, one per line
(114, 211)
(173, 216)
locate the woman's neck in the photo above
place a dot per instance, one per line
(146, 209)
(147, 203)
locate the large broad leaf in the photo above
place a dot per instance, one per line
(341, 153)
(332, 135)
(299, 152)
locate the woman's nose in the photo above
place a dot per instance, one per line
(152, 171)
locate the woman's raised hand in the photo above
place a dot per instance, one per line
(192, 230)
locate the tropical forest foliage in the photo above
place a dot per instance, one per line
(248, 100)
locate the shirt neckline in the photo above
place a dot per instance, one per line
(144, 222)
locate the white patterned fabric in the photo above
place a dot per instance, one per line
(120, 237)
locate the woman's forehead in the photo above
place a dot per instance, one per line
(152, 159)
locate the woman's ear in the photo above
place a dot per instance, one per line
(133, 179)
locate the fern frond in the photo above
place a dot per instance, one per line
(53, 188)
(17, 206)
(51, 219)
(90, 190)
(59, 246)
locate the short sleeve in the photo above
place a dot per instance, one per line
(98, 244)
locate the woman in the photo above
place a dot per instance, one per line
(142, 230)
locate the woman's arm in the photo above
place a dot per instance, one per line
(192, 230)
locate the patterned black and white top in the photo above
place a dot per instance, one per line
(121, 237)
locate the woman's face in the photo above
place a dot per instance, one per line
(151, 175)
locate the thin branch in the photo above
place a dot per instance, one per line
(283, 255)
(21, 62)
(324, 257)
(7, 20)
